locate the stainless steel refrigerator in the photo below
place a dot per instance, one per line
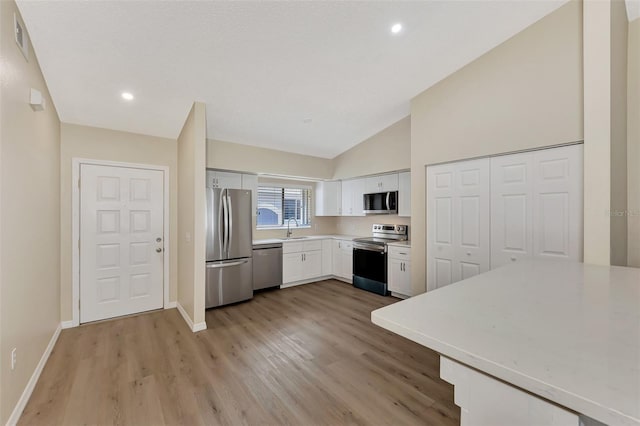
(229, 246)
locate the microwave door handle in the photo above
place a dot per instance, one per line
(387, 202)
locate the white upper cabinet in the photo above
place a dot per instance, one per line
(250, 182)
(382, 183)
(228, 180)
(328, 198)
(352, 201)
(404, 194)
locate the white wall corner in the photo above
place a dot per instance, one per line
(67, 324)
(171, 305)
(31, 384)
(193, 327)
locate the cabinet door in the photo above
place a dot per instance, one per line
(346, 259)
(327, 249)
(312, 264)
(388, 182)
(250, 182)
(558, 203)
(357, 194)
(372, 184)
(292, 267)
(328, 198)
(336, 262)
(511, 208)
(394, 271)
(404, 285)
(404, 194)
(347, 197)
(229, 180)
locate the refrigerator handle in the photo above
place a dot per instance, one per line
(221, 221)
(230, 223)
(218, 265)
(225, 220)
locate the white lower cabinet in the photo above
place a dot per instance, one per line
(399, 270)
(343, 259)
(301, 261)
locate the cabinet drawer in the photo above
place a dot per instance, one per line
(312, 245)
(403, 253)
(292, 247)
(345, 244)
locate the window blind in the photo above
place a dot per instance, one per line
(277, 205)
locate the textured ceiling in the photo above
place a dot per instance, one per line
(262, 68)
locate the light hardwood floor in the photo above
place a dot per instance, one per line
(298, 356)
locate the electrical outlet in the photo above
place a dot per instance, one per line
(13, 358)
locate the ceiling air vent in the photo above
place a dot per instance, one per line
(21, 36)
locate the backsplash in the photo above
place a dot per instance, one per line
(319, 226)
(362, 225)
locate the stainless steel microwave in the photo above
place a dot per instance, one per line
(381, 203)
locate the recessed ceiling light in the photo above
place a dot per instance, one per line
(127, 96)
(396, 28)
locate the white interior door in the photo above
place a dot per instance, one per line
(121, 241)
(511, 208)
(440, 223)
(471, 217)
(557, 203)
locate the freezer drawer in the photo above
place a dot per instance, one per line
(228, 281)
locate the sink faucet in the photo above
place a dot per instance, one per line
(289, 231)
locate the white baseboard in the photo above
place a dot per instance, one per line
(194, 327)
(171, 305)
(67, 324)
(31, 384)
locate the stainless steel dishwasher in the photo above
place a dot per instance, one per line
(267, 265)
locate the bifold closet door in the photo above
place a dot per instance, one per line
(457, 221)
(537, 205)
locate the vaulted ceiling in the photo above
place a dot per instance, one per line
(312, 77)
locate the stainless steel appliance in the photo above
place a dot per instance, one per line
(381, 203)
(370, 257)
(267, 266)
(229, 273)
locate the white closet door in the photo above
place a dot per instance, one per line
(471, 218)
(511, 207)
(440, 222)
(557, 203)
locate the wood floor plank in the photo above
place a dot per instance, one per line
(305, 355)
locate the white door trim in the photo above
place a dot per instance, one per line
(75, 228)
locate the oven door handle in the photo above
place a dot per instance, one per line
(369, 247)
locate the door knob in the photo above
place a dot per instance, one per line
(158, 250)
(468, 253)
(513, 258)
(158, 240)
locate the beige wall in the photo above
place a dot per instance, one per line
(633, 144)
(619, 26)
(191, 213)
(30, 217)
(112, 145)
(386, 151)
(525, 93)
(245, 158)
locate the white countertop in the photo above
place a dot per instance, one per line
(400, 243)
(306, 238)
(567, 332)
